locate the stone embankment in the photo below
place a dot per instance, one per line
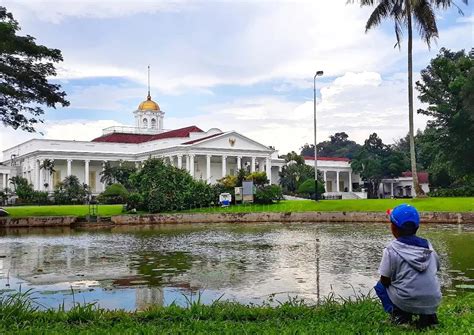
(286, 217)
(255, 217)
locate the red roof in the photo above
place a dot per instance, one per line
(140, 138)
(336, 159)
(423, 177)
(202, 138)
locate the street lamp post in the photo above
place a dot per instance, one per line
(316, 196)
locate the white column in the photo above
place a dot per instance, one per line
(41, 176)
(325, 177)
(391, 189)
(252, 165)
(208, 168)
(180, 161)
(69, 167)
(50, 179)
(268, 168)
(350, 181)
(337, 182)
(239, 162)
(36, 176)
(191, 165)
(86, 172)
(4, 181)
(187, 163)
(224, 167)
(137, 165)
(103, 169)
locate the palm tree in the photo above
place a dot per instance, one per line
(405, 13)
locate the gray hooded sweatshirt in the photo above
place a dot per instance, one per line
(412, 269)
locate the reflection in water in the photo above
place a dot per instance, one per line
(135, 267)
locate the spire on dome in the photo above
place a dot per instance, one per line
(148, 96)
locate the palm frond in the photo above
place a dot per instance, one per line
(380, 12)
(399, 15)
(448, 3)
(425, 20)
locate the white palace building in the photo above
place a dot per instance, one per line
(207, 155)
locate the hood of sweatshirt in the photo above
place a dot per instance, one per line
(417, 257)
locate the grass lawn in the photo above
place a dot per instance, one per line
(363, 316)
(369, 205)
(357, 205)
(62, 210)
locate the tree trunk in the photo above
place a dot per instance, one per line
(416, 185)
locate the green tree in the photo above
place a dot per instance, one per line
(48, 167)
(294, 157)
(71, 191)
(24, 71)
(405, 13)
(22, 188)
(375, 161)
(446, 86)
(338, 145)
(118, 174)
(164, 187)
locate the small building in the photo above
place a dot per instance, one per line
(402, 187)
(339, 179)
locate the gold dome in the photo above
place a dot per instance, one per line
(149, 105)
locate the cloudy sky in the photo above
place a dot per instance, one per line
(240, 65)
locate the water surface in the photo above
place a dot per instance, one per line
(133, 267)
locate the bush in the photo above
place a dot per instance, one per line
(306, 188)
(71, 191)
(462, 188)
(23, 189)
(135, 202)
(258, 178)
(114, 194)
(40, 198)
(164, 188)
(268, 194)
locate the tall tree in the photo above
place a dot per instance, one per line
(24, 69)
(405, 13)
(447, 87)
(338, 145)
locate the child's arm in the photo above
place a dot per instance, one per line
(386, 281)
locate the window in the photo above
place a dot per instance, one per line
(145, 123)
(153, 123)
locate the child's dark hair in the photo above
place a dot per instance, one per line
(409, 228)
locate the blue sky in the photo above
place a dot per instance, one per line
(245, 66)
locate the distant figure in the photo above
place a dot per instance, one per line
(408, 285)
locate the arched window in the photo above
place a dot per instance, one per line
(145, 123)
(153, 123)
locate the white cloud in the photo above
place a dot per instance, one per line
(56, 11)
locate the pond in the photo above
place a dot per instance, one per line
(133, 267)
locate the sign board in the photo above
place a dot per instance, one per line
(247, 191)
(225, 199)
(238, 193)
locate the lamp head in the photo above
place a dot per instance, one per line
(319, 73)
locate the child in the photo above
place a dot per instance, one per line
(408, 284)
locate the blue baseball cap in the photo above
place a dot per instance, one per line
(402, 214)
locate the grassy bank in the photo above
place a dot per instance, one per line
(62, 210)
(356, 205)
(367, 205)
(364, 316)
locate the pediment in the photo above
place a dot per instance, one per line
(231, 140)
